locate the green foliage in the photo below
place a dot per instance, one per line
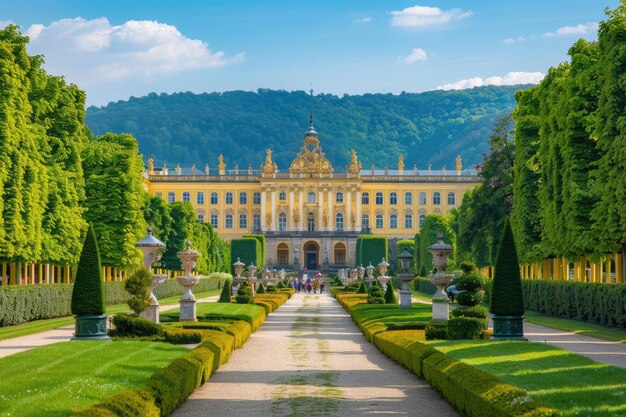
(436, 332)
(371, 249)
(247, 250)
(129, 325)
(433, 225)
(423, 272)
(182, 336)
(226, 292)
(470, 298)
(137, 286)
(19, 304)
(261, 257)
(427, 128)
(183, 219)
(261, 289)
(244, 293)
(390, 295)
(423, 285)
(88, 293)
(362, 289)
(405, 245)
(468, 266)
(507, 297)
(130, 403)
(594, 302)
(470, 283)
(376, 295)
(463, 327)
(476, 311)
(156, 213)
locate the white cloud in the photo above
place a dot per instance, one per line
(90, 52)
(5, 23)
(511, 78)
(580, 29)
(417, 54)
(363, 20)
(514, 40)
(419, 16)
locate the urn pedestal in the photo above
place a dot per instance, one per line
(91, 328)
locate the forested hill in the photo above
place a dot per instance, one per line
(431, 127)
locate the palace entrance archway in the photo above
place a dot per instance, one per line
(311, 255)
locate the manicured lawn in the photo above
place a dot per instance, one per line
(49, 324)
(572, 383)
(577, 326)
(250, 313)
(53, 380)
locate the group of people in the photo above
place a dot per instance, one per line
(305, 284)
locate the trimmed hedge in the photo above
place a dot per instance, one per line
(466, 327)
(423, 285)
(129, 325)
(262, 254)
(371, 249)
(88, 297)
(247, 250)
(182, 336)
(595, 302)
(23, 303)
(401, 246)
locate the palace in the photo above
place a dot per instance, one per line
(311, 215)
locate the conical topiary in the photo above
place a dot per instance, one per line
(88, 297)
(226, 293)
(362, 289)
(423, 272)
(507, 298)
(390, 295)
(261, 289)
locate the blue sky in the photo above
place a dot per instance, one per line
(116, 49)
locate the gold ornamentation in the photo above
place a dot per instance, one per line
(221, 166)
(401, 163)
(296, 215)
(459, 163)
(325, 219)
(311, 159)
(150, 166)
(355, 165)
(353, 219)
(268, 219)
(269, 167)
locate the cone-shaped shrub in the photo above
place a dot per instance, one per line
(88, 293)
(390, 296)
(423, 272)
(137, 286)
(362, 289)
(261, 289)
(226, 293)
(507, 298)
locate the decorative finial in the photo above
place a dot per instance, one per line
(311, 121)
(150, 230)
(188, 245)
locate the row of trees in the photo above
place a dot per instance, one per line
(559, 172)
(55, 177)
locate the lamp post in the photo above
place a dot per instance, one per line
(383, 278)
(149, 246)
(406, 260)
(187, 280)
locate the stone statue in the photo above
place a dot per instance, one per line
(355, 166)
(221, 166)
(269, 167)
(459, 163)
(179, 170)
(151, 166)
(296, 215)
(325, 219)
(401, 163)
(164, 169)
(353, 219)
(268, 219)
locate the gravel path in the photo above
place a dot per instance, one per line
(310, 359)
(60, 334)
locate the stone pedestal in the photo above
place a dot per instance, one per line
(188, 310)
(508, 328)
(151, 313)
(91, 328)
(405, 298)
(441, 311)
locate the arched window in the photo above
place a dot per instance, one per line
(171, 197)
(339, 222)
(256, 198)
(339, 197)
(282, 253)
(422, 198)
(229, 198)
(365, 221)
(214, 198)
(393, 221)
(200, 217)
(199, 198)
(310, 222)
(421, 219)
(436, 198)
(214, 220)
(340, 254)
(393, 198)
(379, 198)
(243, 197)
(243, 221)
(379, 221)
(365, 198)
(408, 198)
(310, 197)
(282, 222)
(451, 198)
(229, 221)
(408, 221)
(186, 196)
(282, 196)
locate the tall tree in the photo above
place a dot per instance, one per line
(433, 225)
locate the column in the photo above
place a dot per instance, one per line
(619, 273)
(556, 267)
(32, 273)
(263, 209)
(348, 218)
(273, 212)
(18, 273)
(40, 275)
(358, 211)
(320, 209)
(609, 280)
(302, 219)
(331, 216)
(290, 223)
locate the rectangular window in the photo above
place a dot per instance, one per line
(243, 221)
(171, 197)
(243, 198)
(256, 220)
(229, 221)
(408, 199)
(213, 198)
(379, 221)
(408, 221)
(256, 198)
(229, 198)
(379, 199)
(214, 221)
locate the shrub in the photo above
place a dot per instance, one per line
(465, 327)
(436, 332)
(390, 295)
(271, 289)
(407, 325)
(247, 250)
(371, 249)
(226, 293)
(261, 289)
(423, 285)
(468, 267)
(137, 286)
(88, 292)
(22, 303)
(244, 293)
(469, 281)
(507, 298)
(362, 289)
(476, 311)
(470, 298)
(182, 336)
(376, 295)
(137, 402)
(423, 272)
(129, 325)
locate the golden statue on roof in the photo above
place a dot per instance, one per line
(150, 166)
(459, 163)
(221, 166)
(269, 167)
(401, 163)
(311, 159)
(355, 166)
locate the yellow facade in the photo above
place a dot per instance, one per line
(311, 201)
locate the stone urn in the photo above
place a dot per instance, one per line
(150, 246)
(383, 278)
(440, 279)
(187, 280)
